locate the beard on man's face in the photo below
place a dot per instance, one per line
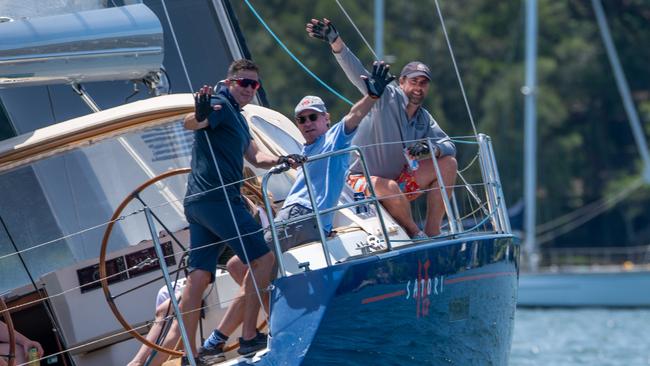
(417, 100)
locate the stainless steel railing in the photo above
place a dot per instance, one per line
(316, 211)
(492, 206)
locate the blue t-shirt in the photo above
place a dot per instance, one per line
(327, 175)
(230, 137)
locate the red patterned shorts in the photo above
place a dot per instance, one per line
(406, 182)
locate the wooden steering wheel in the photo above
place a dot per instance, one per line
(11, 331)
(102, 262)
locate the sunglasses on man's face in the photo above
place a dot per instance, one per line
(245, 83)
(302, 119)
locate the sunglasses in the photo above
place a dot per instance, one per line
(312, 117)
(245, 83)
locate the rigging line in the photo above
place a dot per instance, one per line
(449, 235)
(470, 190)
(178, 48)
(469, 165)
(473, 212)
(468, 137)
(171, 201)
(123, 217)
(234, 221)
(261, 176)
(124, 332)
(596, 205)
(118, 273)
(463, 142)
(48, 311)
(564, 219)
(357, 29)
(286, 49)
(587, 217)
(453, 60)
(20, 257)
(69, 235)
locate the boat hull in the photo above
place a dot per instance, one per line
(449, 303)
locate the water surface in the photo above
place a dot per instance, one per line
(600, 337)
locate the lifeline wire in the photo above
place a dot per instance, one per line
(234, 221)
(178, 48)
(453, 60)
(284, 47)
(357, 29)
(116, 274)
(123, 217)
(606, 205)
(50, 296)
(127, 331)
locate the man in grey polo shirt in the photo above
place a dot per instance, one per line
(393, 140)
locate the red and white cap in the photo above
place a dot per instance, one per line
(310, 102)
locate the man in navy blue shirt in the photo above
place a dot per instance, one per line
(216, 214)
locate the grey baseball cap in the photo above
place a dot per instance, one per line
(310, 102)
(416, 68)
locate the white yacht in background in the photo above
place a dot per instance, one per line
(588, 277)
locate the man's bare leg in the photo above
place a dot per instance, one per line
(426, 177)
(235, 314)
(395, 203)
(262, 268)
(197, 281)
(144, 352)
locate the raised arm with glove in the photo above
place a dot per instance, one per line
(375, 85)
(202, 107)
(323, 30)
(379, 78)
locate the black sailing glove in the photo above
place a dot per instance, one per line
(323, 30)
(202, 107)
(292, 159)
(380, 77)
(420, 149)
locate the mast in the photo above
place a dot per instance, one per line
(623, 88)
(530, 134)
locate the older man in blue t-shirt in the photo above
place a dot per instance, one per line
(326, 175)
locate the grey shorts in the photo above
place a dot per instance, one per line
(297, 233)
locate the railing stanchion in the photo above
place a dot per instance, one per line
(272, 226)
(314, 206)
(170, 288)
(454, 204)
(371, 188)
(484, 160)
(451, 219)
(503, 212)
(316, 212)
